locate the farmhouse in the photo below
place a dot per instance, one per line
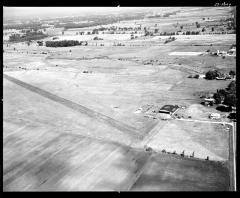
(208, 101)
(215, 116)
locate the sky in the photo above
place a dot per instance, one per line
(26, 12)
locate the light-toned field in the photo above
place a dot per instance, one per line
(204, 139)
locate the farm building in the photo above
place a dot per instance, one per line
(168, 109)
(215, 116)
(209, 101)
(201, 76)
(164, 116)
(231, 52)
(221, 78)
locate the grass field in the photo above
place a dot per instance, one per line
(165, 173)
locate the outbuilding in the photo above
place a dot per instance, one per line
(215, 116)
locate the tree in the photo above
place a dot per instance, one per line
(232, 73)
(232, 87)
(230, 100)
(217, 98)
(220, 96)
(196, 76)
(197, 25)
(212, 74)
(224, 108)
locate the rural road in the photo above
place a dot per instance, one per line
(234, 155)
(204, 121)
(77, 107)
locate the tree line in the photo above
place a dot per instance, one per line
(64, 43)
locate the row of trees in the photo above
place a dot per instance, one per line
(115, 28)
(64, 43)
(171, 33)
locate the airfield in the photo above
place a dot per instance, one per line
(70, 121)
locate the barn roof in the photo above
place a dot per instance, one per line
(169, 108)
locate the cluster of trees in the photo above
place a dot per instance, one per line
(97, 38)
(198, 25)
(227, 96)
(147, 33)
(40, 43)
(170, 39)
(194, 76)
(112, 29)
(212, 74)
(79, 33)
(115, 28)
(64, 43)
(28, 36)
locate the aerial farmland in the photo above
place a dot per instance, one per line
(88, 100)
